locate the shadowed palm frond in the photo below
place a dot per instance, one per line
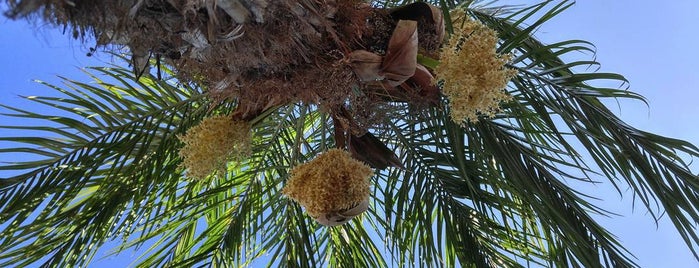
(106, 164)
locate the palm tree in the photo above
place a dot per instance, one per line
(483, 192)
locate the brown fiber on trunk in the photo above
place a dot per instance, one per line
(265, 53)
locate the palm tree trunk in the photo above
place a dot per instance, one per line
(263, 54)
(296, 47)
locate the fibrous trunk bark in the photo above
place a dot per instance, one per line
(264, 53)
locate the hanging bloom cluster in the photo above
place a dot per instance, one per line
(329, 185)
(474, 74)
(209, 146)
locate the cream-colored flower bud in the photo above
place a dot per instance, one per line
(474, 73)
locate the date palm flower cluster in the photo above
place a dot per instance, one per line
(215, 142)
(474, 74)
(345, 56)
(333, 187)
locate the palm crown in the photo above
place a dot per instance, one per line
(483, 190)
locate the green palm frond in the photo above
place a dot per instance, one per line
(104, 165)
(649, 164)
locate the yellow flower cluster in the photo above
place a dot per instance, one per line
(331, 182)
(474, 74)
(209, 146)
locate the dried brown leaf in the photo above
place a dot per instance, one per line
(366, 65)
(422, 80)
(401, 55)
(336, 218)
(369, 149)
(422, 11)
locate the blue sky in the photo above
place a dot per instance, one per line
(653, 45)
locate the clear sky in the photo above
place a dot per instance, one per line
(652, 44)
